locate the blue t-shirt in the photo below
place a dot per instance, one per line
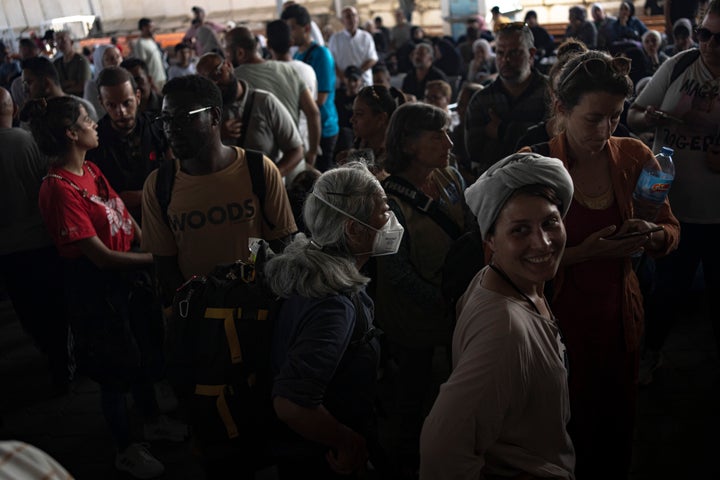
(321, 60)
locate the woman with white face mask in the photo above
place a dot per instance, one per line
(426, 195)
(324, 348)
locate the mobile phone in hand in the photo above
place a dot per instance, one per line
(667, 116)
(640, 233)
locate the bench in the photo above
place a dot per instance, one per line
(557, 30)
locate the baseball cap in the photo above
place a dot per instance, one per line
(353, 72)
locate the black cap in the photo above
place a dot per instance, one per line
(495, 10)
(353, 72)
(197, 9)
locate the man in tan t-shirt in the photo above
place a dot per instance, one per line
(213, 209)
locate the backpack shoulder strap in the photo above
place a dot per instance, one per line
(306, 57)
(541, 149)
(247, 111)
(406, 191)
(164, 183)
(683, 63)
(256, 166)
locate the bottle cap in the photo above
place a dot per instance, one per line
(667, 151)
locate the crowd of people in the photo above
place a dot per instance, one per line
(378, 150)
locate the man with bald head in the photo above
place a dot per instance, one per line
(500, 114)
(279, 78)
(253, 118)
(73, 68)
(422, 72)
(352, 46)
(29, 264)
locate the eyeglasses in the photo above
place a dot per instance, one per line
(704, 35)
(595, 67)
(180, 120)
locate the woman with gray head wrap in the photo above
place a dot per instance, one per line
(503, 412)
(487, 196)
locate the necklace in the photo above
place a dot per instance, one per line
(599, 202)
(507, 279)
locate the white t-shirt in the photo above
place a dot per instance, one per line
(307, 73)
(695, 98)
(354, 50)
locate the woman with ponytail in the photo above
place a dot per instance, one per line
(113, 318)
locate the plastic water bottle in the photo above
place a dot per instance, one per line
(653, 185)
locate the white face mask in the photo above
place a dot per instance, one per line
(387, 239)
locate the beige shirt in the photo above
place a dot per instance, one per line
(212, 216)
(505, 407)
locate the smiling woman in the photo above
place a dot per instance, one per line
(503, 412)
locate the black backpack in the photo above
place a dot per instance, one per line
(218, 347)
(464, 259)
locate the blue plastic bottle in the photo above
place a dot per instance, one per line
(653, 185)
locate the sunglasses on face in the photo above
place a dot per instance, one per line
(179, 120)
(595, 67)
(704, 35)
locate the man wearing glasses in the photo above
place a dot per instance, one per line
(684, 112)
(500, 114)
(213, 208)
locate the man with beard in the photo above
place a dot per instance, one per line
(253, 118)
(422, 72)
(213, 208)
(130, 145)
(500, 114)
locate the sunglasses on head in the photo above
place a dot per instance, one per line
(598, 66)
(704, 35)
(514, 26)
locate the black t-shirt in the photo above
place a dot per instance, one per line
(412, 85)
(126, 161)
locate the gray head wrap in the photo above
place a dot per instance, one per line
(98, 54)
(683, 23)
(487, 196)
